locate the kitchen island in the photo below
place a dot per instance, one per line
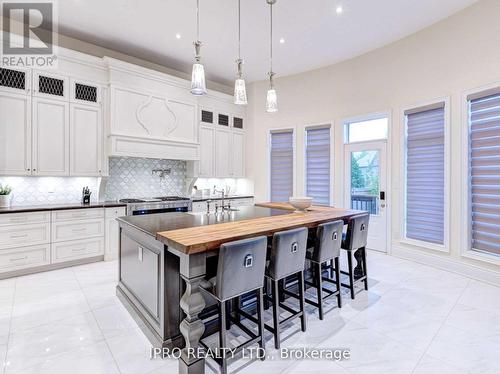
(164, 257)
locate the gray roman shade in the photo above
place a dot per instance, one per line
(425, 175)
(318, 165)
(281, 165)
(485, 173)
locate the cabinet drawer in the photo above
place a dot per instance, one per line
(75, 250)
(24, 257)
(74, 214)
(23, 235)
(72, 230)
(111, 213)
(20, 218)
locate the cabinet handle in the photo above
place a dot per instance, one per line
(82, 229)
(18, 236)
(20, 219)
(78, 249)
(18, 259)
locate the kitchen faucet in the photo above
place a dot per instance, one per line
(222, 192)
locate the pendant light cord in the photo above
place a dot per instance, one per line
(271, 40)
(197, 20)
(239, 29)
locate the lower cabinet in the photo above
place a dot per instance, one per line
(77, 249)
(112, 233)
(25, 257)
(33, 240)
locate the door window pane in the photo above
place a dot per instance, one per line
(374, 129)
(365, 180)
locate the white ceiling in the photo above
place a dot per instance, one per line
(314, 34)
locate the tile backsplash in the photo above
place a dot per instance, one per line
(49, 190)
(133, 177)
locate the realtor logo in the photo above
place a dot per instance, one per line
(28, 37)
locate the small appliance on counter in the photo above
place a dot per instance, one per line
(86, 196)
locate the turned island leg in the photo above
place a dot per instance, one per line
(192, 303)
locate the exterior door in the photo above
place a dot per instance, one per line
(365, 189)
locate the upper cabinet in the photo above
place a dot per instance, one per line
(222, 141)
(54, 128)
(50, 137)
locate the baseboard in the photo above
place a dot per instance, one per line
(448, 264)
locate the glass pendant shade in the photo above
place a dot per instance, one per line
(240, 92)
(272, 101)
(198, 86)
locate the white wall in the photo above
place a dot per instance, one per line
(444, 60)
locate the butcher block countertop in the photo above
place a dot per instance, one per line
(204, 238)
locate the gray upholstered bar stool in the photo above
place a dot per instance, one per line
(240, 270)
(354, 242)
(324, 247)
(287, 257)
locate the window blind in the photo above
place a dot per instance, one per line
(484, 169)
(281, 166)
(318, 165)
(425, 175)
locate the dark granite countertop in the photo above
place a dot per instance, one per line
(151, 224)
(195, 199)
(38, 208)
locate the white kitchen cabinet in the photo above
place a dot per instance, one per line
(24, 257)
(76, 250)
(21, 235)
(50, 86)
(50, 137)
(222, 153)
(237, 155)
(207, 146)
(112, 236)
(73, 230)
(15, 133)
(86, 143)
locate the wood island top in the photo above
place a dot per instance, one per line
(206, 238)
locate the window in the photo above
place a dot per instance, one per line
(361, 131)
(318, 164)
(281, 165)
(425, 174)
(484, 172)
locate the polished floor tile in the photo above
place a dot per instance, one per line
(414, 319)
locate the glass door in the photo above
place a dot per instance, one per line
(366, 185)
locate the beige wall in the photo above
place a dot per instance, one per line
(444, 60)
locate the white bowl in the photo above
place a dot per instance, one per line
(301, 203)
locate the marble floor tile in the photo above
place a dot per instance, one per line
(28, 314)
(431, 365)
(114, 320)
(131, 351)
(48, 341)
(481, 295)
(92, 359)
(414, 319)
(102, 295)
(469, 352)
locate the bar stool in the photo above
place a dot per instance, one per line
(287, 258)
(240, 270)
(355, 241)
(325, 247)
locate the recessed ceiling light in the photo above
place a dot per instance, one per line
(339, 9)
(282, 40)
(178, 36)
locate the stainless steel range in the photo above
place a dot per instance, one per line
(163, 204)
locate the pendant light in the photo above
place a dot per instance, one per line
(240, 91)
(198, 86)
(272, 98)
